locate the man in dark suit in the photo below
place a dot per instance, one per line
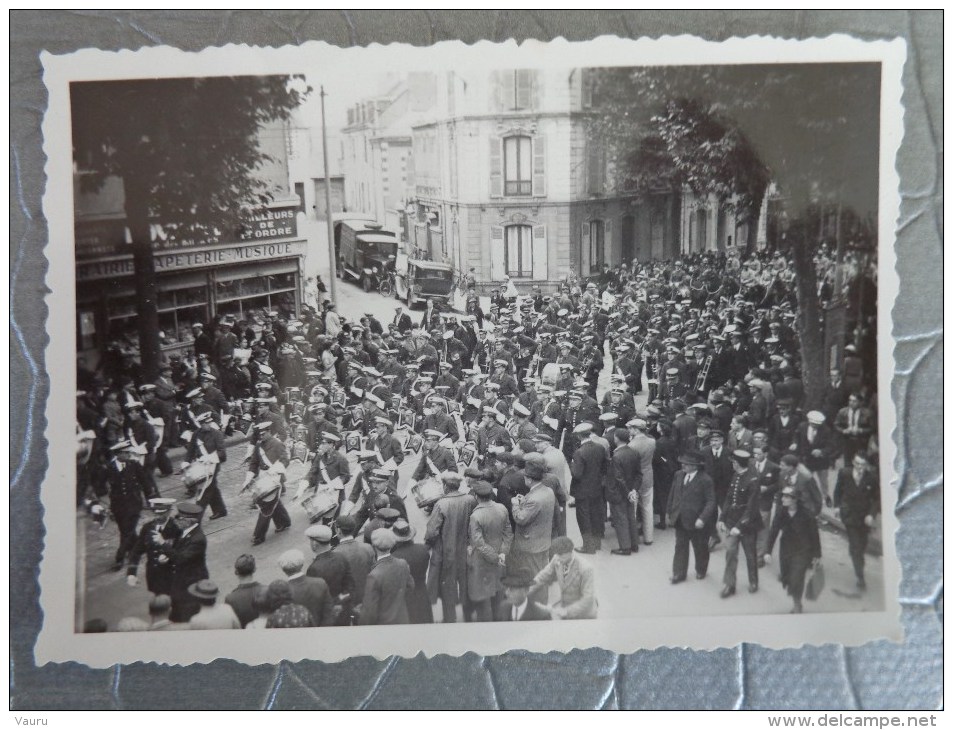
(358, 553)
(691, 509)
(388, 584)
(332, 568)
(835, 395)
(857, 501)
(782, 426)
(855, 424)
(402, 322)
(417, 556)
(684, 427)
(516, 605)
(622, 493)
(718, 467)
(306, 590)
(589, 466)
(768, 475)
(187, 556)
(740, 522)
(815, 447)
(242, 599)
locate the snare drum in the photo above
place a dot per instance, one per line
(265, 487)
(320, 504)
(197, 473)
(427, 492)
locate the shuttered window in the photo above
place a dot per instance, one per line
(518, 165)
(594, 241)
(519, 251)
(515, 90)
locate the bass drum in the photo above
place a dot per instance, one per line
(427, 492)
(550, 374)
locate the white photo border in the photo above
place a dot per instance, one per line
(57, 641)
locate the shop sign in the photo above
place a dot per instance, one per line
(274, 223)
(190, 259)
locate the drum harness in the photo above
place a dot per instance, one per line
(281, 483)
(210, 473)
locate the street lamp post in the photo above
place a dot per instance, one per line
(332, 284)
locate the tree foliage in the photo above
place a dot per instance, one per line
(190, 145)
(813, 129)
(188, 153)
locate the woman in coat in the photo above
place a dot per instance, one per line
(800, 544)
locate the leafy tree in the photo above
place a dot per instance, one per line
(187, 151)
(813, 129)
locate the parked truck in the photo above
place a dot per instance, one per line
(364, 250)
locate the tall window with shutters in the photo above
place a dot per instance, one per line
(515, 90)
(518, 166)
(519, 251)
(597, 164)
(596, 248)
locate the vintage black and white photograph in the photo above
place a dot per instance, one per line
(459, 336)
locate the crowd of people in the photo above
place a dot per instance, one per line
(519, 415)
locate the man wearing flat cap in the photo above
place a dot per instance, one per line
(306, 590)
(490, 536)
(644, 447)
(740, 522)
(589, 466)
(448, 538)
(691, 510)
(534, 514)
(358, 553)
(816, 448)
(388, 584)
(187, 557)
(333, 568)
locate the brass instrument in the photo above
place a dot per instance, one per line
(653, 360)
(702, 375)
(532, 370)
(587, 364)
